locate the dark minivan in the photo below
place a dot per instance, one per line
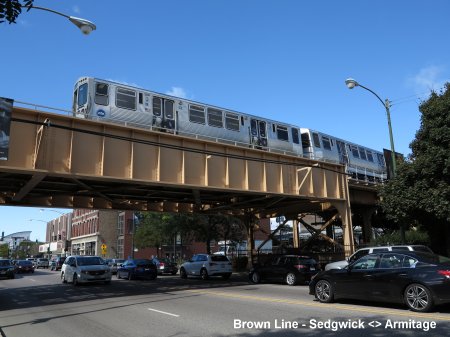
(292, 269)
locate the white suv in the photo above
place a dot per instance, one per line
(205, 265)
(369, 250)
(84, 269)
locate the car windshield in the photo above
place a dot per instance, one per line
(89, 261)
(143, 262)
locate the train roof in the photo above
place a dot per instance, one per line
(194, 102)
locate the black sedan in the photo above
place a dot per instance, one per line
(419, 280)
(292, 269)
(137, 268)
(165, 266)
(7, 269)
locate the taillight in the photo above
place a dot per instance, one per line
(300, 266)
(161, 264)
(445, 273)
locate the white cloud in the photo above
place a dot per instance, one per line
(430, 78)
(177, 92)
(76, 9)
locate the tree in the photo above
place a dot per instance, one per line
(11, 9)
(420, 192)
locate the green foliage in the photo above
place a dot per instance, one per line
(4, 251)
(413, 237)
(11, 9)
(420, 192)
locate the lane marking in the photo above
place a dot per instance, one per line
(410, 314)
(163, 312)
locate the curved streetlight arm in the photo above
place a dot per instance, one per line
(373, 92)
(84, 25)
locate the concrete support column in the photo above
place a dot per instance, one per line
(296, 233)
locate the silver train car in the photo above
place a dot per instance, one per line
(112, 102)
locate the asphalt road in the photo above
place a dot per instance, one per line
(40, 305)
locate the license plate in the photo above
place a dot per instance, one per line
(312, 268)
(147, 269)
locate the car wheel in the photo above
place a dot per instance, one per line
(418, 298)
(183, 273)
(291, 279)
(63, 278)
(324, 291)
(204, 274)
(75, 279)
(255, 277)
(153, 277)
(174, 273)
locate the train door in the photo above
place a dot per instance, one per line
(342, 151)
(258, 133)
(163, 114)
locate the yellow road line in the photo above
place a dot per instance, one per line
(409, 314)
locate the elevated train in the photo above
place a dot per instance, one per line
(112, 102)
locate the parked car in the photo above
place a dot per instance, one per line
(165, 266)
(137, 268)
(292, 269)
(7, 269)
(24, 266)
(419, 280)
(42, 263)
(57, 263)
(114, 264)
(205, 265)
(370, 250)
(85, 269)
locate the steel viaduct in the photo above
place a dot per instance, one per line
(60, 161)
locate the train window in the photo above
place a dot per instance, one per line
(101, 94)
(295, 137)
(282, 133)
(362, 153)
(168, 109)
(126, 98)
(369, 156)
(141, 98)
(381, 159)
(242, 120)
(157, 106)
(306, 142)
(215, 118)
(82, 94)
(231, 121)
(262, 129)
(197, 114)
(316, 140)
(326, 143)
(354, 150)
(253, 127)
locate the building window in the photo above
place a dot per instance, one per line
(120, 224)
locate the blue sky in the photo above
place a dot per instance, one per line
(285, 60)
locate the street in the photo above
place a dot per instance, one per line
(39, 304)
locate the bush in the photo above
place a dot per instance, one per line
(413, 237)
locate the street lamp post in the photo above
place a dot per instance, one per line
(84, 25)
(351, 83)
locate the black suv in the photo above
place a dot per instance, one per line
(57, 263)
(291, 269)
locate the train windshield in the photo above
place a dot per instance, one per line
(82, 94)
